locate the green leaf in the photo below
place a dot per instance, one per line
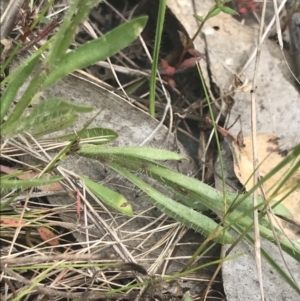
(132, 88)
(228, 10)
(15, 83)
(134, 152)
(67, 149)
(59, 48)
(53, 124)
(199, 191)
(97, 50)
(156, 50)
(49, 116)
(213, 13)
(26, 98)
(109, 197)
(187, 297)
(199, 18)
(185, 215)
(77, 13)
(93, 135)
(24, 184)
(42, 125)
(14, 73)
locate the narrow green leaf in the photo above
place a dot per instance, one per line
(97, 50)
(76, 14)
(28, 290)
(228, 10)
(42, 125)
(60, 156)
(109, 197)
(245, 223)
(134, 152)
(213, 13)
(279, 270)
(5, 204)
(12, 54)
(56, 51)
(57, 105)
(205, 194)
(93, 135)
(187, 297)
(41, 16)
(186, 199)
(27, 61)
(158, 34)
(199, 18)
(24, 184)
(132, 88)
(185, 215)
(47, 117)
(13, 87)
(272, 262)
(26, 99)
(57, 123)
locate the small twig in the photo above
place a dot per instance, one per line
(40, 36)
(257, 243)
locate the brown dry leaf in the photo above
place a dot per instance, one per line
(47, 235)
(11, 222)
(269, 156)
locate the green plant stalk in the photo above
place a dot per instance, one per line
(172, 277)
(33, 285)
(58, 157)
(294, 188)
(58, 47)
(41, 14)
(243, 220)
(293, 249)
(24, 184)
(144, 283)
(63, 266)
(81, 13)
(11, 56)
(12, 89)
(289, 174)
(25, 100)
(98, 50)
(7, 203)
(292, 156)
(271, 261)
(216, 136)
(158, 35)
(236, 218)
(208, 15)
(11, 77)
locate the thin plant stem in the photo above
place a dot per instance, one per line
(158, 34)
